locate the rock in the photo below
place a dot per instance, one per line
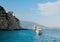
(8, 21)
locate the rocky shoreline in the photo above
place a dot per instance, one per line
(12, 30)
(8, 21)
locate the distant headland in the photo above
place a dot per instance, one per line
(8, 21)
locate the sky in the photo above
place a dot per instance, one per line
(43, 12)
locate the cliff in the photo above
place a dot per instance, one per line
(8, 21)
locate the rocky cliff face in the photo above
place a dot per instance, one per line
(8, 21)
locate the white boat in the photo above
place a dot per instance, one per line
(37, 30)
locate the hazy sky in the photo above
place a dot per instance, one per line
(44, 12)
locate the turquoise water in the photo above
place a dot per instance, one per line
(47, 35)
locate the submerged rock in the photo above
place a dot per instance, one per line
(8, 21)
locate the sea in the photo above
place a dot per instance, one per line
(46, 35)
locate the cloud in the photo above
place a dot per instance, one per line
(49, 8)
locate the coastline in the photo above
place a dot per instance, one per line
(12, 29)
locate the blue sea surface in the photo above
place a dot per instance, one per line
(47, 35)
